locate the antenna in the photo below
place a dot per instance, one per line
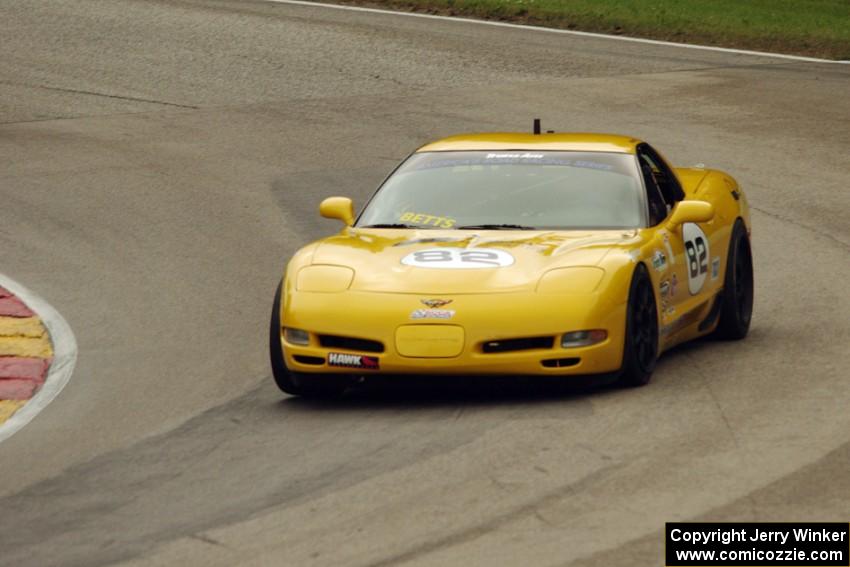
(536, 126)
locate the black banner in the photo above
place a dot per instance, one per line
(758, 544)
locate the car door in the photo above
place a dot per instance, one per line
(679, 257)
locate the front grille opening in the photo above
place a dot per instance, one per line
(349, 343)
(314, 360)
(560, 362)
(510, 345)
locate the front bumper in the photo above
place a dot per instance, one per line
(384, 318)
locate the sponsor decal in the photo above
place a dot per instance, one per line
(659, 261)
(669, 248)
(515, 156)
(467, 159)
(542, 159)
(674, 283)
(696, 249)
(665, 290)
(715, 267)
(353, 360)
(432, 314)
(427, 220)
(458, 258)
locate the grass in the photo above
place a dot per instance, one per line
(818, 28)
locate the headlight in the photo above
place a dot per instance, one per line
(579, 279)
(583, 338)
(324, 278)
(296, 336)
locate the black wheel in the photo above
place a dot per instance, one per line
(295, 383)
(736, 309)
(640, 351)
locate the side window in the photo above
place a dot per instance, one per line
(657, 206)
(666, 180)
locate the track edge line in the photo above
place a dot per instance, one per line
(563, 31)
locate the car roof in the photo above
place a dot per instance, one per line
(568, 141)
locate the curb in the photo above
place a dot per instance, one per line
(38, 352)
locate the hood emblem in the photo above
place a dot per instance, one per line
(435, 303)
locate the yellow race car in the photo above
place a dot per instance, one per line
(517, 254)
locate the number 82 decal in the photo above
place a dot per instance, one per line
(696, 249)
(458, 258)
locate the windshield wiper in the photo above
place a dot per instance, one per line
(389, 225)
(495, 227)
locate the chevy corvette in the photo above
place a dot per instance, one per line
(517, 254)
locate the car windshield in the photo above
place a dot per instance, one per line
(509, 190)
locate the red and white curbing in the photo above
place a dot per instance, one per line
(38, 352)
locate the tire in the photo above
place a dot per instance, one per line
(640, 350)
(296, 383)
(736, 309)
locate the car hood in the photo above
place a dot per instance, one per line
(377, 256)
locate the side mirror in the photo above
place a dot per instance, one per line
(690, 211)
(338, 208)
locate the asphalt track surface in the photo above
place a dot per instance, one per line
(162, 159)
